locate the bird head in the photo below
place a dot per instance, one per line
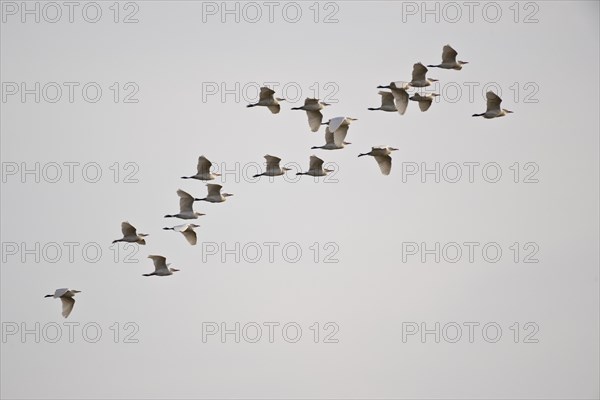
(392, 149)
(462, 62)
(197, 214)
(227, 194)
(433, 80)
(328, 170)
(286, 169)
(195, 226)
(507, 111)
(351, 119)
(143, 234)
(75, 291)
(347, 143)
(173, 270)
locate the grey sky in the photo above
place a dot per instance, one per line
(548, 74)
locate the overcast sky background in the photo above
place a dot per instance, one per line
(173, 57)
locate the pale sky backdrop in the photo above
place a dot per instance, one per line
(172, 55)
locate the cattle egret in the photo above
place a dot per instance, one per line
(449, 59)
(186, 210)
(315, 168)
(418, 76)
(214, 194)
(424, 100)
(387, 102)
(130, 235)
(266, 99)
(187, 230)
(161, 268)
(273, 168)
(493, 107)
(382, 156)
(313, 109)
(203, 171)
(66, 297)
(400, 95)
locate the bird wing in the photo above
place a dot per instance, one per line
(272, 162)
(387, 98)
(185, 201)
(340, 134)
(401, 97)
(335, 123)
(128, 229)
(493, 101)
(190, 235)
(425, 104)
(180, 228)
(314, 120)
(274, 108)
(60, 292)
(329, 136)
(67, 305)
(448, 55)
(214, 189)
(160, 262)
(266, 93)
(419, 71)
(203, 165)
(315, 163)
(385, 164)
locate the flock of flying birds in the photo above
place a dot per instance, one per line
(396, 100)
